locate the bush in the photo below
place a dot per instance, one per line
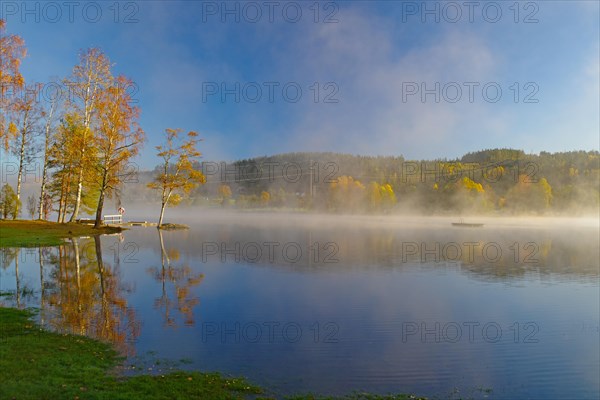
(9, 203)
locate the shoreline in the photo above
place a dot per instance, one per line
(65, 366)
(27, 233)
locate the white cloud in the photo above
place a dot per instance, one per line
(371, 116)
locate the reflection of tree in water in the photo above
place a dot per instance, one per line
(43, 253)
(86, 296)
(9, 256)
(183, 280)
(485, 254)
(23, 294)
(561, 258)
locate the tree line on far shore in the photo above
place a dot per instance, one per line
(493, 181)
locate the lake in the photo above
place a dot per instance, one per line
(331, 304)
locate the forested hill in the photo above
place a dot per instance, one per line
(487, 181)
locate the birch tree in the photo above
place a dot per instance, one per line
(49, 116)
(12, 51)
(118, 139)
(88, 79)
(26, 117)
(177, 175)
(63, 155)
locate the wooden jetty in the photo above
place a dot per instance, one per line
(140, 223)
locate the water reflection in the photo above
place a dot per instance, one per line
(221, 293)
(489, 253)
(182, 278)
(80, 293)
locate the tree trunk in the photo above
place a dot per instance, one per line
(60, 199)
(59, 209)
(98, 221)
(66, 199)
(101, 199)
(80, 178)
(42, 192)
(165, 200)
(78, 197)
(45, 169)
(44, 177)
(20, 176)
(162, 212)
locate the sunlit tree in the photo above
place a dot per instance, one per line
(12, 51)
(224, 194)
(374, 196)
(177, 175)
(118, 139)
(9, 202)
(63, 155)
(89, 77)
(26, 114)
(49, 115)
(388, 197)
(265, 198)
(465, 195)
(529, 196)
(346, 194)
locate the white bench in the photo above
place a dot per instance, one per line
(113, 219)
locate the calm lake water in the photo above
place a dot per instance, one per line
(334, 304)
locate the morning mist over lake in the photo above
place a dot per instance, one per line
(300, 200)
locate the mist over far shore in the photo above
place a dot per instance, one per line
(193, 215)
(503, 183)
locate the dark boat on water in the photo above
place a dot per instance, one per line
(467, 224)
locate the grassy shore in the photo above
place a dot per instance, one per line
(21, 233)
(38, 364)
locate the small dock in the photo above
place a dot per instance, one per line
(140, 223)
(116, 220)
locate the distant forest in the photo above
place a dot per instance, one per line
(497, 181)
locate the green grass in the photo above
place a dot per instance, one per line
(21, 233)
(37, 364)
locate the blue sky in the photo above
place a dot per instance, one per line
(367, 60)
